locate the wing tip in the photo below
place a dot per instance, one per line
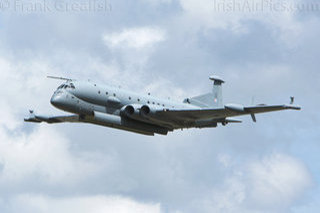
(292, 107)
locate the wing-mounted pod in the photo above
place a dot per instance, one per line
(127, 124)
(212, 123)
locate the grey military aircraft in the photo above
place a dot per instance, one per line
(110, 106)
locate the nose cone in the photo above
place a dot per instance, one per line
(57, 100)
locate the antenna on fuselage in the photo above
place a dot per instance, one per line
(59, 78)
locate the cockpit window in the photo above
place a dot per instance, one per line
(61, 86)
(65, 86)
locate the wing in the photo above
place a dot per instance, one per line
(219, 114)
(51, 119)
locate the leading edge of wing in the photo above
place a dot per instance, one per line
(223, 112)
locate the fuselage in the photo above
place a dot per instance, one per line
(105, 105)
(85, 97)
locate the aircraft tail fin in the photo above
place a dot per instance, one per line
(209, 100)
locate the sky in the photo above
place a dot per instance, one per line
(266, 51)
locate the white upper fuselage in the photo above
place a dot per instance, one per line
(106, 99)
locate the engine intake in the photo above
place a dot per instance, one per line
(130, 111)
(145, 110)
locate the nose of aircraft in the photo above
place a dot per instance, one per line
(57, 100)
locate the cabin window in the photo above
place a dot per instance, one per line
(162, 104)
(148, 102)
(72, 86)
(114, 94)
(138, 99)
(158, 104)
(153, 103)
(129, 98)
(99, 92)
(107, 93)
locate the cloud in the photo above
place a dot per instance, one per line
(136, 38)
(273, 183)
(132, 48)
(93, 204)
(278, 180)
(157, 2)
(31, 87)
(44, 155)
(236, 16)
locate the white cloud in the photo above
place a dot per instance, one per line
(132, 48)
(223, 14)
(24, 85)
(271, 184)
(44, 155)
(87, 204)
(278, 180)
(136, 38)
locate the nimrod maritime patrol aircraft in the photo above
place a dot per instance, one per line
(144, 114)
